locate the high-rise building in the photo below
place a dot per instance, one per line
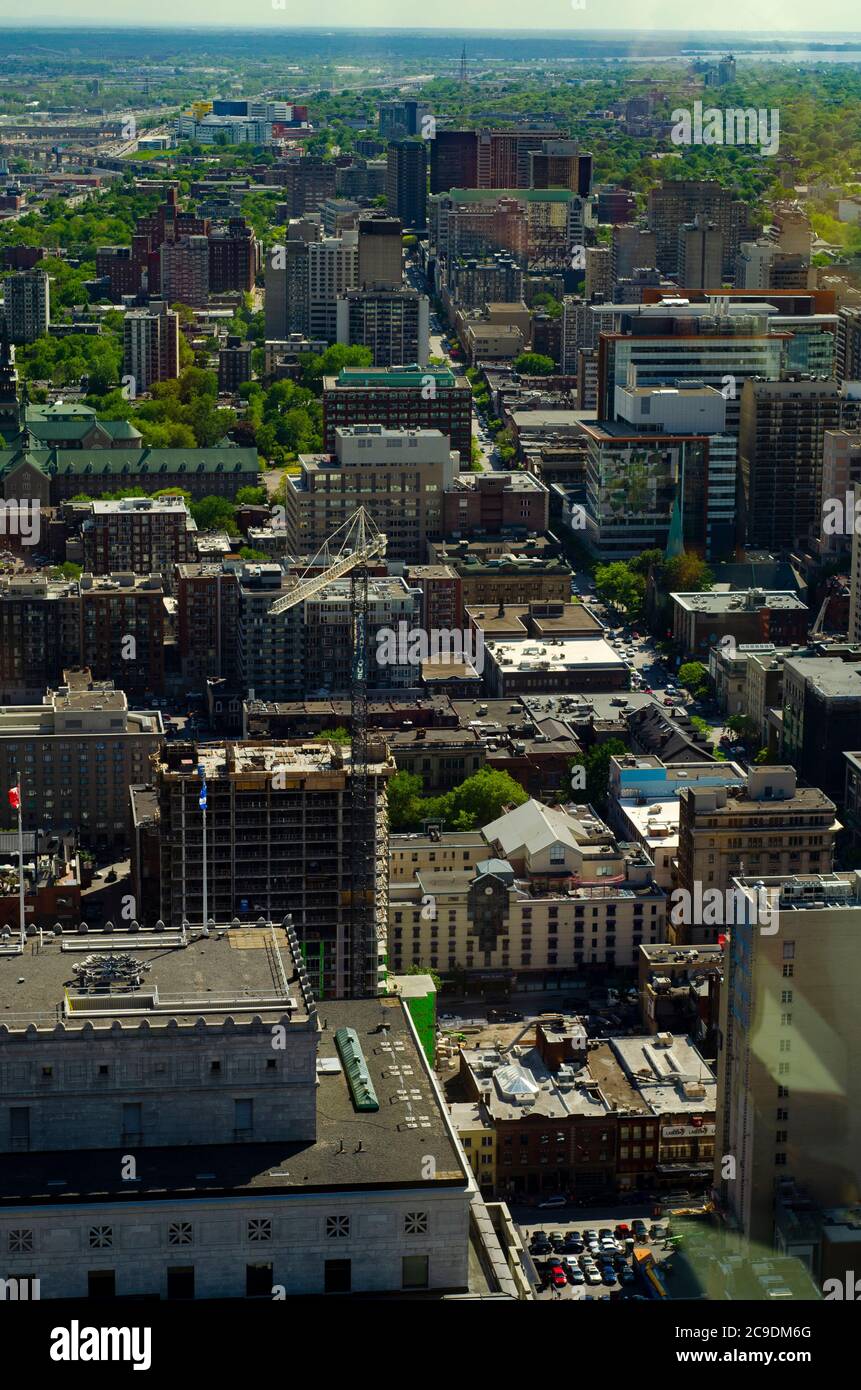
(27, 305)
(333, 267)
(599, 272)
(234, 257)
(122, 630)
(399, 475)
(280, 841)
(700, 254)
(394, 324)
(150, 346)
(308, 181)
(678, 201)
(781, 444)
(185, 271)
(234, 364)
(39, 634)
(789, 1065)
(432, 398)
(380, 251)
(560, 164)
(632, 248)
(489, 158)
(820, 716)
(402, 118)
(147, 535)
(763, 265)
(849, 344)
(406, 182)
(286, 299)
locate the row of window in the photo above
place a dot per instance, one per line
(258, 1229)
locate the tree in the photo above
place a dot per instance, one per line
(616, 585)
(694, 676)
(251, 497)
(597, 765)
(534, 364)
(215, 514)
(481, 798)
(404, 798)
(743, 726)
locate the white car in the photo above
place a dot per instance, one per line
(593, 1277)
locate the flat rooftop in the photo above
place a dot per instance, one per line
(519, 619)
(731, 601)
(387, 1149)
(242, 971)
(298, 759)
(667, 1076)
(518, 1082)
(558, 654)
(829, 675)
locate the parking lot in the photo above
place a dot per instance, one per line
(565, 1222)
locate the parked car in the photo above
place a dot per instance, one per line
(558, 1277)
(592, 1277)
(575, 1275)
(639, 1228)
(557, 1200)
(622, 1229)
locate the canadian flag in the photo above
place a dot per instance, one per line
(14, 798)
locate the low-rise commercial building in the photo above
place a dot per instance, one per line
(752, 615)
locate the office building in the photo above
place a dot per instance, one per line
(748, 615)
(380, 253)
(487, 158)
(286, 299)
(849, 344)
(399, 475)
(27, 305)
(150, 346)
(632, 248)
(560, 164)
(791, 1051)
(406, 182)
(599, 273)
(432, 398)
(506, 569)
(279, 841)
(402, 1215)
(393, 324)
(402, 118)
(700, 254)
(307, 182)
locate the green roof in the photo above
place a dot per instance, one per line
(393, 376)
(132, 464)
(356, 1069)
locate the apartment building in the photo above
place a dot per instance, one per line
(789, 1062)
(307, 183)
(280, 839)
(488, 158)
(142, 534)
(781, 444)
(394, 324)
(491, 503)
(399, 475)
(150, 346)
(552, 891)
(678, 201)
(700, 254)
(27, 305)
(185, 271)
(381, 256)
(841, 482)
(234, 257)
(333, 269)
(234, 364)
(406, 397)
(632, 248)
(74, 756)
(122, 630)
(506, 569)
(768, 824)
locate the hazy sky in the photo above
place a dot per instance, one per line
(778, 16)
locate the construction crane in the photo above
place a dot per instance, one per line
(349, 551)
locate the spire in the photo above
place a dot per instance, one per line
(675, 536)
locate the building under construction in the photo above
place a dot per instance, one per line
(281, 835)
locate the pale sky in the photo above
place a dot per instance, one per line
(731, 16)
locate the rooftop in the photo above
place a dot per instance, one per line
(748, 601)
(554, 654)
(669, 1073)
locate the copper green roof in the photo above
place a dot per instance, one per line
(132, 463)
(523, 195)
(393, 376)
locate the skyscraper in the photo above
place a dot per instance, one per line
(380, 251)
(150, 345)
(27, 305)
(406, 182)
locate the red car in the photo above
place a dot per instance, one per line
(557, 1277)
(622, 1230)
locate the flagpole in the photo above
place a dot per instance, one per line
(21, 914)
(203, 810)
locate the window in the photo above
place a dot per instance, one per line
(415, 1272)
(780, 1160)
(180, 1233)
(337, 1227)
(781, 1136)
(260, 1228)
(789, 950)
(258, 1281)
(19, 1121)
(243, 1118)
(101, 1237)
(337, 1276)
(20, 1242)
(787, 972)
